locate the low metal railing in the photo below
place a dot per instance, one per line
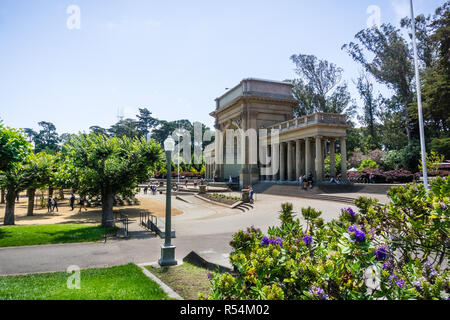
(123, 218)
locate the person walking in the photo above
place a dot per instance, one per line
(72, 201)
(55, 204)
(49, 205)
(82, 203)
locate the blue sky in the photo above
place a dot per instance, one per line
(174, 57)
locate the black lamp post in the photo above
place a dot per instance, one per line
(168, 250)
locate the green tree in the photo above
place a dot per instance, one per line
(124, 128)
(371, 110)
(436, 78)
(441, 146)
(145, 122)
(46, 139)
(319, 88)
(14, 148)
(38, 169)
(111, 165)
(385, 54)
(98, 130)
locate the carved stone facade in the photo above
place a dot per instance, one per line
(295, 146)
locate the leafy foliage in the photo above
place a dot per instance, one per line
(393, 251)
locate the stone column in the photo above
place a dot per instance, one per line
(302, 157)
(219, 145)
(307, 156)
(282, 161)
(269, 154)
(332, 159)
(290, 166)
(343, 159)
(297, 159)
(319, 159)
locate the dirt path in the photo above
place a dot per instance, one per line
(92, 215)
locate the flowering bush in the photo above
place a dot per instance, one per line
(393, 251)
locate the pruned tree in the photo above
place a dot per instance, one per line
(107, 166)
(38, 169)
(14, 149)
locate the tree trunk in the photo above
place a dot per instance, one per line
(9, 210)
(61, 194)
(2, 195)
(50, 192)
(31, 194)
(107, 208)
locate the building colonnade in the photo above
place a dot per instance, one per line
(304, 156)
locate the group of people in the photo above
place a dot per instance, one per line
(152, 187)
(306, 181)
(52, 204)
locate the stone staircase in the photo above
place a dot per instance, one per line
(244, 207)
(291, 190)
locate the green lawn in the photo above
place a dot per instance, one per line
(126, 282)
(187, 280)
(46, 234)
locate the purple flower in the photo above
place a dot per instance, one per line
(351, 212)
(393, 277)
(264, 241)
(307, 240)
(400, 283)
(316, 292)
(429, 271)
(360, 236)
(277, 241)
(387, 266)
(380, 254)
(417, 285)
(352, 228)
(210, 276)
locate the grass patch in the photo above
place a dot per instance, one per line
(126, 282)
(187, 280)
(48, 234)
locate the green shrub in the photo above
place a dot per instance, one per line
(392, 251)
(368, 164)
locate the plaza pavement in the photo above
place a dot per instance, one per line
(204, 228)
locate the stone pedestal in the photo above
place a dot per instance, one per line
(246, 195)
(202, 189)
(167, 256)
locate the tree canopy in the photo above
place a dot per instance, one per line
(107, 166)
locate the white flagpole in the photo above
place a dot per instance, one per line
(419, 101)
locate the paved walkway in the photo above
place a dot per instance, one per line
(204, 228)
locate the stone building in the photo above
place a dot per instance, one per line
(258, 138)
